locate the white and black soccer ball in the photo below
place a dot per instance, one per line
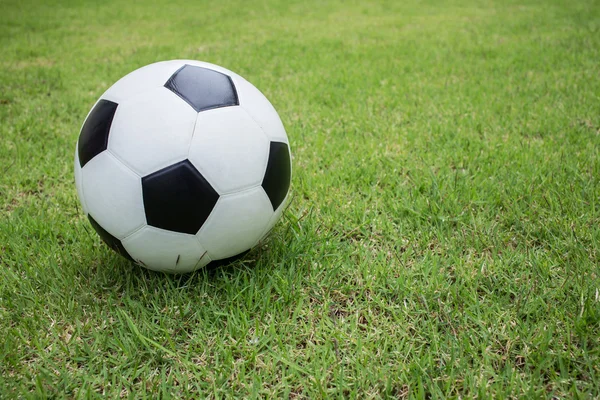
(181, 163)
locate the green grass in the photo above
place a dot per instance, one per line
(443, 239)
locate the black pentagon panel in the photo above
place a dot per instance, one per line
(279, 173)
(109, 239)
(178, 198)
(93, 138)
(203, 88)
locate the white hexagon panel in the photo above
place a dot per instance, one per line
(152, 130)
(167, 251)
(229, 149)
(141, 80)
(236, 223)
(260, 109)
(274, 218)
(113, 195)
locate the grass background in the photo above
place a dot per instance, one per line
(443, 235)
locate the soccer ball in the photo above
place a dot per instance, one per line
(181, 163)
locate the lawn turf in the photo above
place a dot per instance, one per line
(442, 239)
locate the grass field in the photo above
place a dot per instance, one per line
(443, 236)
